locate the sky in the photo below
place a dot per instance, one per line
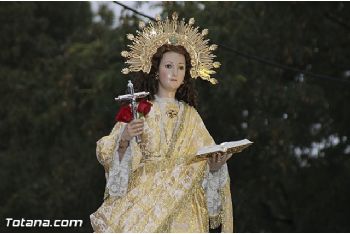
(146, 8)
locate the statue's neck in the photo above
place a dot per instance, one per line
(164, 99)
(165, 93)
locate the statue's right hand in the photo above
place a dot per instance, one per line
(134, 128)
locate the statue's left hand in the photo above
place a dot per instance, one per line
(218, 159)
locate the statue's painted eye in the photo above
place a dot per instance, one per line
(168, 66)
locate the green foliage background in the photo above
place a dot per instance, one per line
(60, 70)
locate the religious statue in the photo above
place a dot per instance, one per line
(153, 184)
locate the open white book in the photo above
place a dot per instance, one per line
(231, 147)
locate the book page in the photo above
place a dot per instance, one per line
(232, 144)
(231, 147)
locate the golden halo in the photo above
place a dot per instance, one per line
(154, 35)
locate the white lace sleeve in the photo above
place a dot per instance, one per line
(212, 183)
(118, 176)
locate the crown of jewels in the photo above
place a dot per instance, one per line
(154, 35)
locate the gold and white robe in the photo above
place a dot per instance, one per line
(158, 186)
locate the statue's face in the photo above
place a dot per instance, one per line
(172, 69)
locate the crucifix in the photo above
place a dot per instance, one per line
(131, 97)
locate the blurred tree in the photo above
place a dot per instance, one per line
(280, 111)
(60, 71)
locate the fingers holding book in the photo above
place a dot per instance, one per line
(217, 160)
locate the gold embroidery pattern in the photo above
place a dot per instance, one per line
(171, 113)
(227, 210)
(164, 193)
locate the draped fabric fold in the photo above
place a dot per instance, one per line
(164, 192)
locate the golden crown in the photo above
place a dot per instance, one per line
(150, 38)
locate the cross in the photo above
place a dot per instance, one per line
(131, 97)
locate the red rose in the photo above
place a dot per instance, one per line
(124, 114)
(144, 107)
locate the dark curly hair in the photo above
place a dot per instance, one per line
(147, 82)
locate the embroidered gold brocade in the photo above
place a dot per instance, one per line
(164, 193)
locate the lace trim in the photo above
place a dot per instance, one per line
(215, 221)
(212, 184)
(118, 178)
